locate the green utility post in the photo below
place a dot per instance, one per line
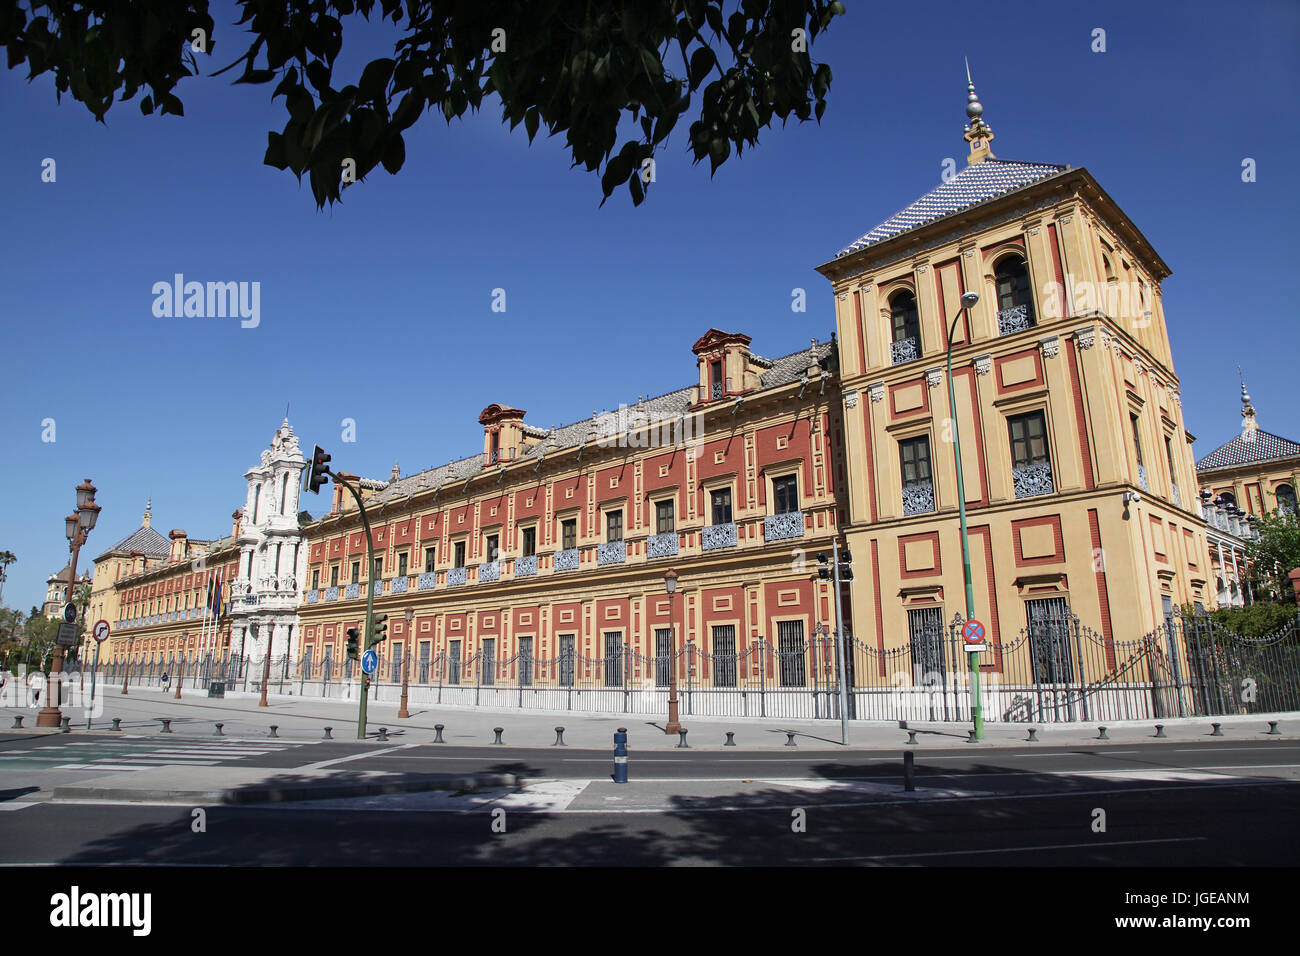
(977, 709)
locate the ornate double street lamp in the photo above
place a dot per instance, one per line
(76, 526)
(406, 663)
(968, 301)
(670, 585)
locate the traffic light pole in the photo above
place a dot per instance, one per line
(370, 602)
(839, 640)
(973, 658)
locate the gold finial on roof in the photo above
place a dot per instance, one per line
(978, 133)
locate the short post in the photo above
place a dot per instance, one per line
(972, 739)
(1160, 730)
(166, 725)
(620, 755)
(383, 733)
(18, 721)
(498, 731)
(117, 724)
(437, 729)
(218, 732)
(328, 733)
(1215, 731)
(1033, 735)
(731, 739)
(67, 726)
(1101, 734)
(681, 739)
(559, 738)
(789, 738)
(273, 733)
(911, 738)
(1272, 729)
(909, 770)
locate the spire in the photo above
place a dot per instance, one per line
(978, 133)
(1248, 425)
(148, 513)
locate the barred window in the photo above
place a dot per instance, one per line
(724, 656)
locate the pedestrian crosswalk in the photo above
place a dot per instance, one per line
(133, 754)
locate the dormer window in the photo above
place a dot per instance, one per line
(1015, 303)
(906, 320)
(715, 378)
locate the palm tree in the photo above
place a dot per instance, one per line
(6, 558)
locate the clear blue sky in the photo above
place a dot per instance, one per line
(379, 309)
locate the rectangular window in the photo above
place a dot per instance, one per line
(530, 542)
(489, 662)
(663, 655)
(1137, 438)
(1050, 634)
(721, 506)
(715, 376)
(1169, 454)
(614, 526)
(453, 662)
(458, 551)
(724, 656)
(566, 660)
(914, 460)
(430, 559)
(525, 662)
(793, 653)
(315, 580)
(378, 570)
(492, 550)
(1028, 439)
(926, 631)
(356, 571)
(424, 662)
(613, 658)
(334, 576)
(785, 494)
(664, 522)
(401, 565)
(569, 533)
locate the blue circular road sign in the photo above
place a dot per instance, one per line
(369, 662)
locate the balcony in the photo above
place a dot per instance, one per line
(313, 596)
(332, 593)
(718, 536)
(400, 585)
(1018, 318)
(661, 545)
(489, 571)
(784, 526)
(566, 560)
(611, 552)
(455, 577)
(905, 350)
(351, 591)
(717, 390)
(426, 580)
(526, 566)
(918, 498)
(1142, 477)
(1178, 498)
(1030, 481)
(379, 588)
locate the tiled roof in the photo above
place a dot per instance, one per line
(1240, 451)
(145, 541)
(666, 407)
(977, 183)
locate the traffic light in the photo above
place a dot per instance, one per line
(824, 566)
(826, 573)
(354, 644)
(316, 471)
(846, 565)
(378, 629)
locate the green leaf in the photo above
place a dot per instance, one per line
(531, 119)
(394, 154)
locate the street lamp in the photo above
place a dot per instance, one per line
(406, 663)
(968, 301)
(180, 660)
(670, 585)
(77, 526)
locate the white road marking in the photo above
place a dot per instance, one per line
(362, 756)
(15, 805)
(1009, 849)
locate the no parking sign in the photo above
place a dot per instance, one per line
(973, 633)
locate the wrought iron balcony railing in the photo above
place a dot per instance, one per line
(1033, 480)
(783, 526)
(719, 536)
(905, 350)
(526, 566)
(401, 585)
(918, 498)
(661, 545)
(426, 580)
(332, 593)
(566, 560)
(351, 591)
(455, 577)
(1142, 477)
(611, 552)
(489, 571)
(1018, 318)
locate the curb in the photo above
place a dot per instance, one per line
(259, 793)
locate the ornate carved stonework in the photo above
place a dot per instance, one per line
(1051, 346)
(1086, 337)
(983, 364)
(851, 398)
(933, 376)
(877, 391)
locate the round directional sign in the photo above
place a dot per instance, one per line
(101, 630)
(973, 631)
(369, 662)
(70, 613)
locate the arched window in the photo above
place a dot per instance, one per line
(284, 494)
(1015, 303)
(1286, 499)
(906, 322)
(1226, 499)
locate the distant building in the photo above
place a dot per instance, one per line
(56, 586)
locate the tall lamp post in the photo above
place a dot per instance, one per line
(406, 663)
(670, 585)
(968, 301)
(180, 663)
(76, 526)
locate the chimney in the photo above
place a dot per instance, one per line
(238, 517)
(724, 366)
(178, 547)
(503, 433)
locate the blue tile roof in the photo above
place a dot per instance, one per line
(1240, 451)
(145, 541)
(975, 184)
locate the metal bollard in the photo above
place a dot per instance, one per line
(909, 771)
(273, 729)
(1216, 732)
(383, 733)
(789, 738)
(971, 739)
(559, 738)
(1033, 735)
(1272, 728)
(328, 734)
(620, 755)
(67, 726)
(731, 739)
(1101, 734)
(117, 724)
(498, 731)
(1160, 730)
(166, 725)
(911, 738)
(218, 732)
(18, 721)
(437, 729)
(681, 739)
